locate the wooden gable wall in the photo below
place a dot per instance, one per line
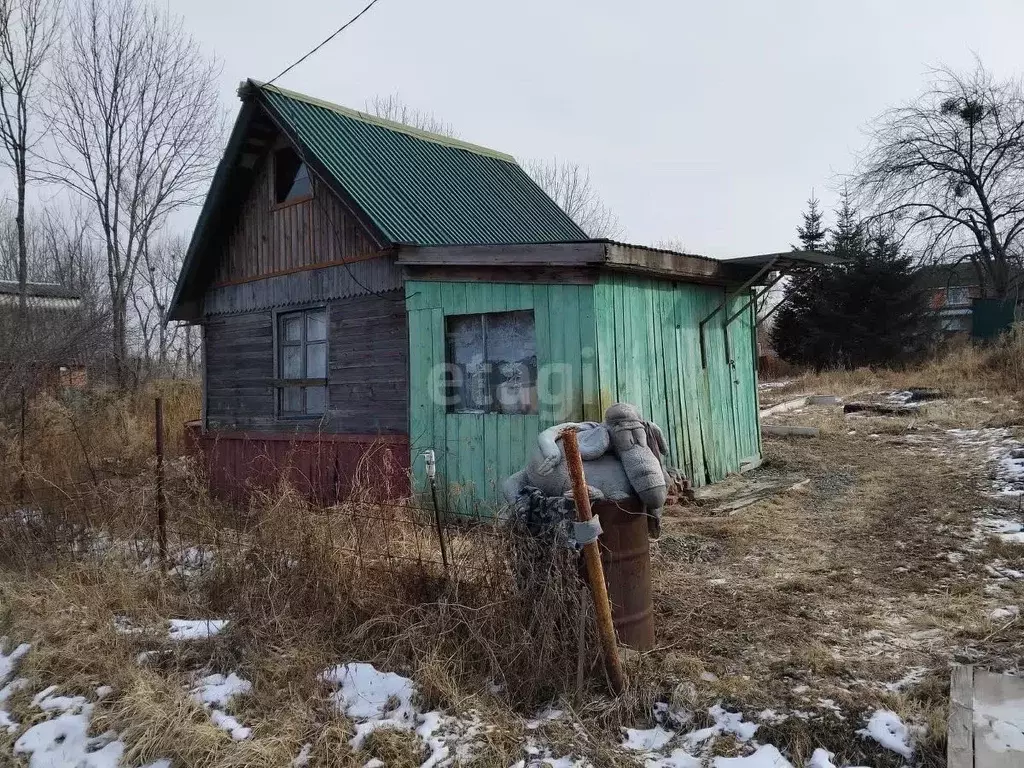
(271, 239)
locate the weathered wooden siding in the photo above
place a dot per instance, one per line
(368, 376)
(368, 347)
(312, 285)
(239, 366)
(268, 239)
(649, 354)
(476, 452)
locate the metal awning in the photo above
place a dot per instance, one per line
(770, 269)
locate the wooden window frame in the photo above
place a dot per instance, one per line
(450, 409)
(279, 382)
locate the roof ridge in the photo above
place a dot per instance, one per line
(391, 125)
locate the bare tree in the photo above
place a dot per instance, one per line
(569, 185)
(161, 263)
(949, 167)
(397, 111)
(138, 132)
(672, 244)
(28, 32)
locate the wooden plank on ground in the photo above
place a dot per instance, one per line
(960, 750)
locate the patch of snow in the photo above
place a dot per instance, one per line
(821, 758)
(65, 741)
(886, 728)
(218, 690)
(302, 759)
(546, 715)
(375, 699)
(766, 756)
(678, 758)
(1002, 614)
(47, 702)
(8, 665)
(226, 722)
(9, 661)
(649, 740)
(103, 691)
(732, 722)
(909, 680)
(195, 629)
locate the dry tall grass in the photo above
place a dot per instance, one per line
(307, 587)
(961, 368)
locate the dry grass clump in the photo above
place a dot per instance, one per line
(961, 368)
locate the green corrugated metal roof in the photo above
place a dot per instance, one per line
(418, 187)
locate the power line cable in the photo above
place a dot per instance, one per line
(333, 35)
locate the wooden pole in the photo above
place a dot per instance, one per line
(595, 570)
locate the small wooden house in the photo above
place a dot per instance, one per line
(368, 291)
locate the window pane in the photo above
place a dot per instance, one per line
(291, 362)
(291, 327)
(301, 186)
(469, 390)
(316, 361)
(316, 325)
(512, 354)
(316, 400)
(291, 400)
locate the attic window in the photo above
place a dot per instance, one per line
(291, 176)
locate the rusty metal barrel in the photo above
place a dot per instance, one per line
(626, 557)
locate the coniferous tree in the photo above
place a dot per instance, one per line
(788, 330)
(812, 234)
(865, 310)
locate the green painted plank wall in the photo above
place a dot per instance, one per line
(649, 354)
(625, 339)
(475, 452)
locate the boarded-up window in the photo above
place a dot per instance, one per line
(291, 176)
(302, 362)
(492, 363)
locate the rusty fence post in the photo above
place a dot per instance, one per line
(22, 479)
(161, 512)
(595, 570)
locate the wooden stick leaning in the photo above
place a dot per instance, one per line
(595, 570)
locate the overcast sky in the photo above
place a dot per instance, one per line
(706, 122)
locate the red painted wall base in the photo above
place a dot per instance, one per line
(325, 468)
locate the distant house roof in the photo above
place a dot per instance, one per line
(961, 274)
(39, 290)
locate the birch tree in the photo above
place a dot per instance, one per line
(138, 132)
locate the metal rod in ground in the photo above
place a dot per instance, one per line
(440, 526)
(595, 570)
(430, 459)
(22, 482)
(161, 512)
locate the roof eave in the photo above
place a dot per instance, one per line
(183, 309)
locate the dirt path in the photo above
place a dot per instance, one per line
(855, 590)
